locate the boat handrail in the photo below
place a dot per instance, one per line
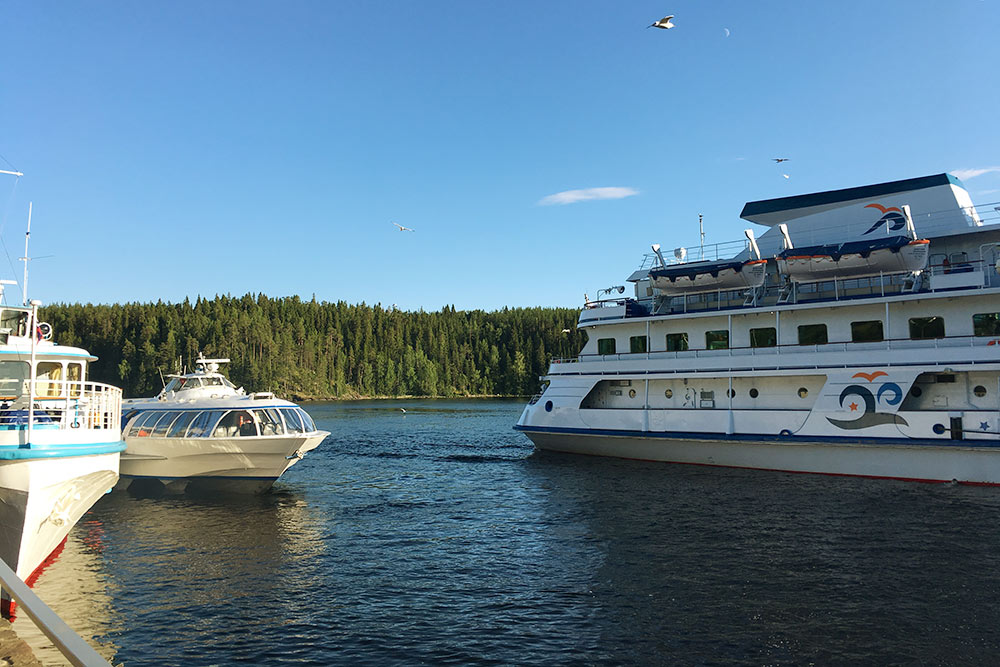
(73, 647)
(962, 341)
(64, 404)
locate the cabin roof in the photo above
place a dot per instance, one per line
(773, 211)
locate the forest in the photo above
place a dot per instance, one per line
(309, 350)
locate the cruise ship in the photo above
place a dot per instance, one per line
(858, 335)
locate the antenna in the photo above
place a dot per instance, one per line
(701, 231)
(27, 235)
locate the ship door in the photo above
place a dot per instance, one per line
(956, 428)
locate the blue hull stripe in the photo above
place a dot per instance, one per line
(59, 451)
(749, 437)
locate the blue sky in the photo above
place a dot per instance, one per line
(176, 149)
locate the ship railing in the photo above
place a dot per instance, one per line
(70, 404)
(895, 344)
(73, 647)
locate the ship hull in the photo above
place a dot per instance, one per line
(42, 498)
(236, 465)
(933, 462)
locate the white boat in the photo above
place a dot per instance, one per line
(866, 351)
(203, 432)
(60, 438)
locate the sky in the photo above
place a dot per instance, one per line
(177, 149)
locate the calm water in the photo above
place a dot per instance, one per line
(438, 536)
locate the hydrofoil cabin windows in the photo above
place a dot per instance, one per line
(867, 332)
(764, 337)
(605, 346)
(717, 340)
(986, 324)
(637, 344)
(677, 342)
(923, 328)
(813, 334)
(12, 377)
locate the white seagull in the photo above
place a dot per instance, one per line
(402, 228)
(663, 23)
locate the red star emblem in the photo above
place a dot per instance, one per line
(854, 406)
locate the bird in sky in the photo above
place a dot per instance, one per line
(786, 175)
(402, 228)
(779, 160)
(663, 23)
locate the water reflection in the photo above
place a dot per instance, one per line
(135, 567)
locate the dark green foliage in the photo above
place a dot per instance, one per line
(321, 350)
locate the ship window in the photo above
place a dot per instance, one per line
(180, 425)
(926, 327)
(605, 346)
(677, 342)
(201, 426)
(292, 420)
(986, 324)
(143, 424)
(803, 392)
(867, 332)
(307, 421)
(979, 391)
(637, 344)
(235, 423)
(74, 373)
(763, 337)
(49, 376)
(717, 340)
(160, 430)
(754, 393)
(270, 422)
(12, 377)
(812, 334)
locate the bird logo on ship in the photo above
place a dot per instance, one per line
(892, 218)
(888, 393)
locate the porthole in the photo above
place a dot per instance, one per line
(803, 392)
(548, 406)
(754, 393)
(979, 391)
(631, 393)
(668, 393)
(731, 393)
(916, 391)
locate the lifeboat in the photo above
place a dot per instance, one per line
(856, 259)
(695, 277)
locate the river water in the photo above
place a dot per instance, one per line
(438, 536)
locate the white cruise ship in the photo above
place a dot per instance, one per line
(858, 335)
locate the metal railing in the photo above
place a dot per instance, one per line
(63, 404)
(73, 647)
(944, 342)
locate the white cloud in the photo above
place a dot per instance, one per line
(573, 196)
(965, 174)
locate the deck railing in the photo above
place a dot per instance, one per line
(895, 344)
(64, 405)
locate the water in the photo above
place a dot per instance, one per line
(438, 536)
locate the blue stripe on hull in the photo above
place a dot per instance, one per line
(751, 437)
(23, 452)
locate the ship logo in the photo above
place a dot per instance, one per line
(888, 393)
(892, 218)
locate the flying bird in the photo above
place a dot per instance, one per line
(779, 160)
(403, 410)
(402, 228)
(663, 23)
(786, 175)
(726, 30)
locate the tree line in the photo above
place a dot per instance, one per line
(318, 350)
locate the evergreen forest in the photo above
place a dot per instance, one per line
(318, 350)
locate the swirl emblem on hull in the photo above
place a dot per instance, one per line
(892, 217)
(888, 393)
